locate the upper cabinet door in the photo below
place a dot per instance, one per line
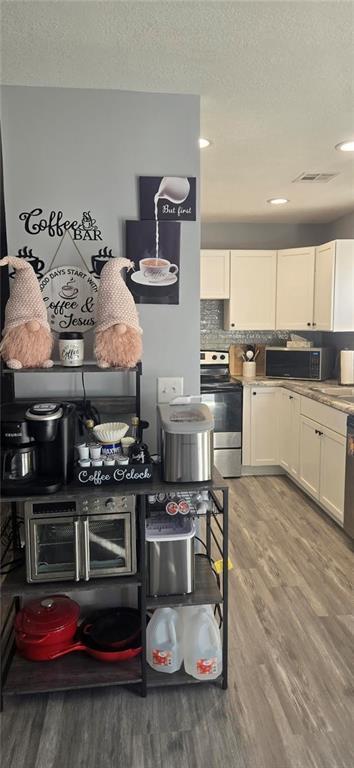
(295, 286)
(344, 285)
(252, 291)
(324, 287)
(214, 274)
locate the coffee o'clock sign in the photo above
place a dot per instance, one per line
(70, 295)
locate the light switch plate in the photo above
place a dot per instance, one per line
(169, 387)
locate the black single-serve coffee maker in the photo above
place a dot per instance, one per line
(37, 443)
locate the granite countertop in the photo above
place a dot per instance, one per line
(305, 388)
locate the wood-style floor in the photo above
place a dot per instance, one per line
(290, 697)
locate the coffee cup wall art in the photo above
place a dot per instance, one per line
(155, 253)
(167, 198)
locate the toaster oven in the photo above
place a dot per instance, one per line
(80, 538)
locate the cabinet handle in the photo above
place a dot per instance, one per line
(87, 550)
(317, 432)
(76, 539)
(232, 325)
(254, 393)
(291, 397)
(314, 324)
(308, 323)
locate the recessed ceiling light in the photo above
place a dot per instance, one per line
(203, 143)
(346, 146)
(278, 200)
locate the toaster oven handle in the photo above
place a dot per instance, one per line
(77, 549)
(86, 550)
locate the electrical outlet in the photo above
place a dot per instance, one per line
(169, 387)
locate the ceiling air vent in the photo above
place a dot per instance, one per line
(314, 178)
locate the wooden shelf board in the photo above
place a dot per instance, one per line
(206, 589)
(156, 485)
(159, 679)
(15, 584)
(86, 368)
(77, 670)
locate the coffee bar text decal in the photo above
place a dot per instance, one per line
(56, 226)
(70, 296)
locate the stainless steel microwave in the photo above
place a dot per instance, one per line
(314, 363)
(80, 538)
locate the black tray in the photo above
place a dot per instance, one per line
(117, 475)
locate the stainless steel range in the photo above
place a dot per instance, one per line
(223, 395)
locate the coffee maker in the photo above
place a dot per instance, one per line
(37, 442)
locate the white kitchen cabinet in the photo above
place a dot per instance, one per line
(332, 472)
(310, 456)
(295, 287)
(252, 290)
(289, 431)
(214, 274)
(263, 426)
(322, 465)
(334, 286)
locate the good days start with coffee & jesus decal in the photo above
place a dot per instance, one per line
(70, 295)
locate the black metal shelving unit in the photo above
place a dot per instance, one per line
(80, 671)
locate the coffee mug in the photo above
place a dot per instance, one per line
(98, 263)
(156, 270)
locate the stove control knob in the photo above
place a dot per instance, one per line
(109, 503)
(214, 357)
(222, 357)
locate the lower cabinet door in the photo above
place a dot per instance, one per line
(294, 437)
(284, 429)
(332, 476)
(264, 426)
(310, 456)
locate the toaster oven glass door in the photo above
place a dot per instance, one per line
(53, 550)
(107, 545)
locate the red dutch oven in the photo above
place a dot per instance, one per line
(44, 628)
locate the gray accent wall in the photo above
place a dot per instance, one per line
(263, 235)
(342, 228)
(76, 150)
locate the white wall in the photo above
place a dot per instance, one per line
(78, 150)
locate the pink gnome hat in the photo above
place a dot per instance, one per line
(115, 303)
(25, 302)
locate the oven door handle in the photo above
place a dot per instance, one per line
(77, 549)
(86, 550)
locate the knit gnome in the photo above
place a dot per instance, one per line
(118, 333)
(27, 338)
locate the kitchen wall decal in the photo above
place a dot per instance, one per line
(56, 226)
(27, 254)
(168, 198)
(155, 279)
(98, 260)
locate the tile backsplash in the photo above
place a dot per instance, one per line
(213, 336)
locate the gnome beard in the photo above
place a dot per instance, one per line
(118, 342)
(27, 346)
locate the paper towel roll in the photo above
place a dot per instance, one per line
(347, 366)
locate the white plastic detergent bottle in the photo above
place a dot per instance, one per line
(164, 641)
(202, 648)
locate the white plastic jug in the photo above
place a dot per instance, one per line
(202, 644)
(164, 641)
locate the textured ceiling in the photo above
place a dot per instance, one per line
(276, 81)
